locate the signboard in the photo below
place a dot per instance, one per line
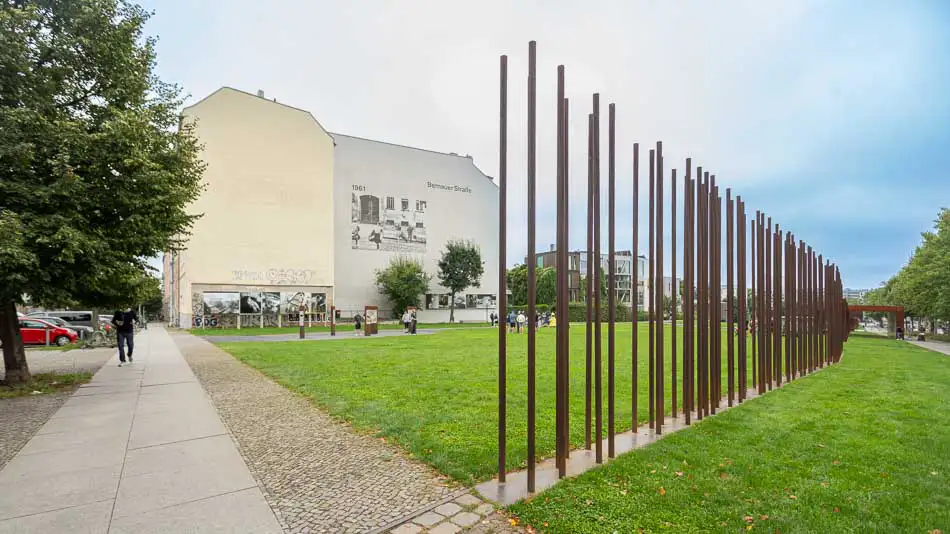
(371, 315)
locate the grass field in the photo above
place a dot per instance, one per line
(436, 395)
(342, 327)
(860, 447)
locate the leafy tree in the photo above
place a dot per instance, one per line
(403, 282)
(95, 171)
(517, 279)
(603, 286)
(460, 268)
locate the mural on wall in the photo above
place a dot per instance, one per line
(387, 222)
(270, 303)
(435, 301)
(221, 303)
(251, 303)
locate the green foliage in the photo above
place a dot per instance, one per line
(460, 268)
(545, 285)
(95, 172)
(403, 282)
(922, 286)
(603, 286)
(577, 313)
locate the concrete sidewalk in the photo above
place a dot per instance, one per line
(936, 346)
(140, 449)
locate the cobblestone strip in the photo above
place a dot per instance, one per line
(316, 473)
(466, 513)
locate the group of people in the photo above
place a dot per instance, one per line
(517, 321)
(410, 321)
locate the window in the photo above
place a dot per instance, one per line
(420, 205)
(420, 225)
(405, 204)
(32, 324)
(540, 261)
(390, 203)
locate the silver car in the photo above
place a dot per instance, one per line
(83, 331)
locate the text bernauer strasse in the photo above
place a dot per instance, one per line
(444, 187)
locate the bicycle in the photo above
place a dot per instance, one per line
(101, 338)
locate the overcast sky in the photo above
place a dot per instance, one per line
(833, 117)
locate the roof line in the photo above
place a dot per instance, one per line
(467, 158)
(264, 98)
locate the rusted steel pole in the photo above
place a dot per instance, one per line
(787, 317)
(651, 313)
(760, 298)
(673, 295)
(769, 306)
(598, 365)
(819, 296)
(661, 295)
(730, 324)
(532, 262)
(636, 287)
(717, 310)
(802, 311)
(688, 293)
(777, 305)
(560, 272)
(742, 330)
(753, 301)
(502, 268)
(565, 316)
(702, 264)
(589, 293)
(611, 275)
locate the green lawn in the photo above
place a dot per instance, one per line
(342, 327)
(436, 395)
(860, 447)
(45, 383)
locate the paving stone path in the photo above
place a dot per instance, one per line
(317, 474)
(22, 417)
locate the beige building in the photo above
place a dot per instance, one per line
(295, 216)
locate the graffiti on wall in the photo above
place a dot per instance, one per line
(287, 277)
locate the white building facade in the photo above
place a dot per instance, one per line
(296, 220)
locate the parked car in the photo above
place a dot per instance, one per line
(33, 332)
(78, 318)
(83, 331)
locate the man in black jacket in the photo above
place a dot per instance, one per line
(125, 330)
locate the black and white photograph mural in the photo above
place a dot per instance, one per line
(270, 303)
(387, 222)
(318, 303)
(221, 303)
(251, 303)
(290, 302)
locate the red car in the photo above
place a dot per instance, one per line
(33, 331)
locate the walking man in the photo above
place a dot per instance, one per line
(123, 321)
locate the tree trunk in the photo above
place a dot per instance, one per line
(452, 309)
(14, 358)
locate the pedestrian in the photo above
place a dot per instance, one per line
(522, 320)
(512, 319)
(414, 321)
(492, 317)
(357, 323)
(406, 320)
(123, 321)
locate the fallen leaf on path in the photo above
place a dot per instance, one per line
(836, 510)
(653, 472)
(792, 497)
(513, 521)
(662, 490)
(748, 527)
(680, 473)
(764, 517)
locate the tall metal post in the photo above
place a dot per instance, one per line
(532, 261)
(651, 313)
(661, 283)
(636, 288)
(502, 269)
(589, 293)
(611, 275)
(730, 331)
(673, 295)
(598, 365)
